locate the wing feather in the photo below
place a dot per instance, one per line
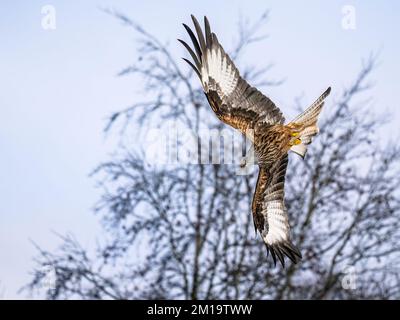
(193, 66)
(199, 33)
(207, 28)
(270, 214)
(194, 41)
(192, 54)
(232, 99)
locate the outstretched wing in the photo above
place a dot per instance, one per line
(233, 100)
(270, 215)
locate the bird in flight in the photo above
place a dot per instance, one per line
(246, 109)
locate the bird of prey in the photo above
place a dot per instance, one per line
(246, 109)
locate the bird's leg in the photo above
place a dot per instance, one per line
(247, 162)
(249, 159)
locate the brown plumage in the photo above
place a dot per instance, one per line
(246, 109)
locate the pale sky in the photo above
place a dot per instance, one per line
(58, 86)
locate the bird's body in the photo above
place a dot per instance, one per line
(278, 137)
(246, 109)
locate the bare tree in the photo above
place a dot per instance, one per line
(185, 231)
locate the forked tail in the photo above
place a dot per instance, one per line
(306, 124)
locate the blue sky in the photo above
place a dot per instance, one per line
(58, 86)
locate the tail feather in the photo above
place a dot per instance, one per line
(307, 134)
(307, 120)
(312, 111)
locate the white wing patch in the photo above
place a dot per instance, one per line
(217, 67)
(277, 222)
